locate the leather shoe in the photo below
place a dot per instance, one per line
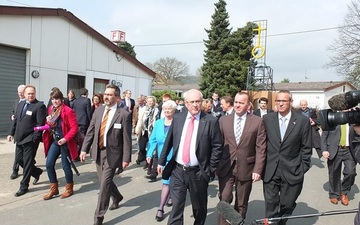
(120, 170)
(14, 175)
(37, 177)
(98, 220)
(344, 199)
(115, 205)
(20, 192)
(334, 201)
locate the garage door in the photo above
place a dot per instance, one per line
(12, 74)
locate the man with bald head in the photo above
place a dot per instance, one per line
(196, 141)
(314, 122)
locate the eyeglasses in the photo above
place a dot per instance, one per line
(197, 102)
(282, 101)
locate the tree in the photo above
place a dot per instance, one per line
(227, 55)
(158, 95)
(285, 80)
(169, 70)
(128, 48)
(345, 49)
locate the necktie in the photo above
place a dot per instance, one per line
(187, 141)
(23, 111)
(128, 103)
(102, 129)
(343, 135)
(238, 130)
(282, 127)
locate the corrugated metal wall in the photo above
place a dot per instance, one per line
(12, 74)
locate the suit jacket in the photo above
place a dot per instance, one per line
(118, 137)
(249, 154)
(292, 155)
(132, 103)
(257, 112)
(69, 128)
(23, 126)
(208, 144)
(82, 108)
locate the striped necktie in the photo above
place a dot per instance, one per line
(102, 129)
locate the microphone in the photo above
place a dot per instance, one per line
(41, 128)
(339, 102)
(229, 213)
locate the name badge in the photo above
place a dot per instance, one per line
(117, 126)
(29, 113)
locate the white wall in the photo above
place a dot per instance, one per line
(57, 48)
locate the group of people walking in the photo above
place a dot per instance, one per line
(188, 148)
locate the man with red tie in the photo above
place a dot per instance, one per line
(197, 145)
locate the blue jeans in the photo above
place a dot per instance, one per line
(53, 154)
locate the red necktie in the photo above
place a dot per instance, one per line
(187, 141)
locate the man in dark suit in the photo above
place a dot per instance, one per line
(197, 145)
(314, 122)
(29, 114)
(243, 157)
(335, 146)
(288, 157)
(82, 108)
(216, 105)
(263, 110)
(109, 138)
(128, 101)
(226, 103)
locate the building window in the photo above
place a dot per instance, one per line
(343, 89)
(75, 83)
(99, 85)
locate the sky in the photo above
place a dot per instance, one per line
(176, 28)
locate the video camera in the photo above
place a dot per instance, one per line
(330, 118)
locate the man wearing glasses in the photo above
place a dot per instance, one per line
(288, 157)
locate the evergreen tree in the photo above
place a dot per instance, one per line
(128, 48)
(227, 55)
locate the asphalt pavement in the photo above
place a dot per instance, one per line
(141, 198)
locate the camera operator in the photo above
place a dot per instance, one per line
(356, 153)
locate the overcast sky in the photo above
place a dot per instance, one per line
(151, 24)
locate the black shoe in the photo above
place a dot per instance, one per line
(37, 177)
(20, 192)
(137, 162)
(120, 170)
(116, 205)
(98, 220)
(14, 175)
(159, 215)
(153, 179)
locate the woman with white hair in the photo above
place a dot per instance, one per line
(156, 142)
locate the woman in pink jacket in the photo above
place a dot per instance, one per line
(60, 137)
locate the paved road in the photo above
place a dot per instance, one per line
(141, 198)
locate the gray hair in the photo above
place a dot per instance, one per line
(169, 104)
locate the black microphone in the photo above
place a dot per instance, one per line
(339, 102)
(229, 213)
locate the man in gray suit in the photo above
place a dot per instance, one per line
(288, 157)
(243, 157)
(336, 154)
(109, 138)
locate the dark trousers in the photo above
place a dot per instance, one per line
(27, 153)
(242, 193)
(181, 181)
(108, 188)
(337, 186)
(280, 196)
(143, 141)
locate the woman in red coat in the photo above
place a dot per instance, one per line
(63, 124)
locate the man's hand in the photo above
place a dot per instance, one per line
(160, 169)
(255, 177)
(326, 154)
(9, 138)
(82, 156)
(124, 165)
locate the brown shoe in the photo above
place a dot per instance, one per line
(68, 191)
(53, 191)
(334, 201)
(344, 199)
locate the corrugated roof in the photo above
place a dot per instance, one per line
(313, 86)
(31, 11)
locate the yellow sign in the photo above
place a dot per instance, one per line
(258, 51)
